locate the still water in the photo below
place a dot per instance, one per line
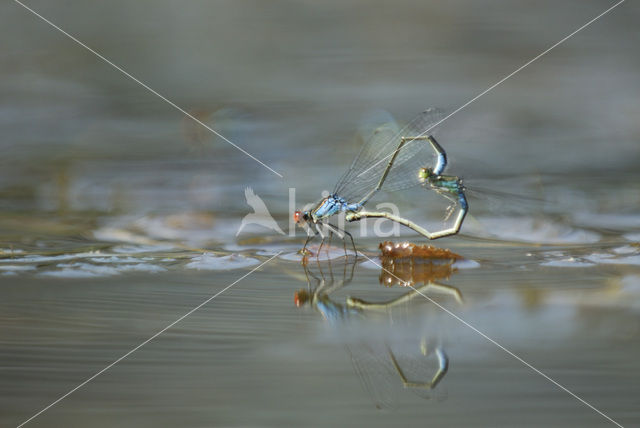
(119, 216)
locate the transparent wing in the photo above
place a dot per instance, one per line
(375, 373)
(380, 144)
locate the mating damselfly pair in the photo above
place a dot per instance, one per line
(391, 159)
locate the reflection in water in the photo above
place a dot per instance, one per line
(391, 346)
(408, 264)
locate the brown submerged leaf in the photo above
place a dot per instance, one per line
(407, 249)
(409, 264)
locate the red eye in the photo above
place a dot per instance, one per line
(296, 216)
(300, 298)
(296, 300)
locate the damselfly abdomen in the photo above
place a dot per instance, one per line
(392, 159)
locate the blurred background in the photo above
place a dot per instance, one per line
(289, 82)
(110, 199)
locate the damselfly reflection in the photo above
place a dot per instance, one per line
(391, 159)
(411, 356)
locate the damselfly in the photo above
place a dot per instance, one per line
(391, 159)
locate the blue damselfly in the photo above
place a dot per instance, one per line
(391, 159)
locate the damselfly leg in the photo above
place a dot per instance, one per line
(331, 230)
(311, 234)
(341, 233)
(320, 247)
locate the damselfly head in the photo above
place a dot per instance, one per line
(301, 297)
(300, 216)
(424, 174)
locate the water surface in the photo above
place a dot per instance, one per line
(118, 215)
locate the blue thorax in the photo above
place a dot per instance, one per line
(333, 205)
(332, 311)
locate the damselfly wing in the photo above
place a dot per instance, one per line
(380, 145)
